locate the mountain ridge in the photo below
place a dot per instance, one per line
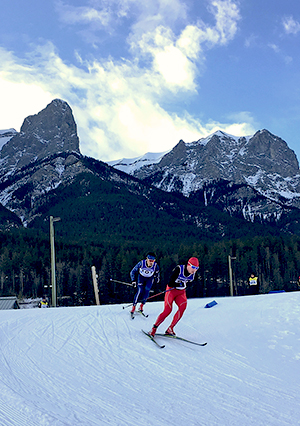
(262, 162)
(45, 156)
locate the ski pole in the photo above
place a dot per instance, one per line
(162, 292)
(121, 282)
(157, 294)
(127, 306)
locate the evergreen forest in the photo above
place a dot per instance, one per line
(25, 266)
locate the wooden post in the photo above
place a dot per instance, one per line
(230, 274)
(94, 276)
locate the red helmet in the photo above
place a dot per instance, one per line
(193, 261)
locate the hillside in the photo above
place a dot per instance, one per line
(93, 366)
(109, 219)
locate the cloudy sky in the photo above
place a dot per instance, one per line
(140, 75)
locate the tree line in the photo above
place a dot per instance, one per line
(25, 269)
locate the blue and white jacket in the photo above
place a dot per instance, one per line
(142, 270)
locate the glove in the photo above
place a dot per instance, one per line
(133, 284)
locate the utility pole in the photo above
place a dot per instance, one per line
(53, 280)
(230, 274)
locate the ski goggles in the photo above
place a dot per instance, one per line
(194, 267)
(151, 258)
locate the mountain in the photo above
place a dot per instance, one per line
(6, 135)
(43, 173)
(210, 188)
(109, 217)
(262, 161)
(50, 131)
(38, 158)
(131, 165)
(255, 177)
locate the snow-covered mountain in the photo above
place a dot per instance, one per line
(254, 178)
(51, 131)
(39, 158)
(43, 173)
(261, 164)
(6, 135)
(263, 161)
(92, 366)
(132, 165)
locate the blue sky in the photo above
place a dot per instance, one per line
(141, 75)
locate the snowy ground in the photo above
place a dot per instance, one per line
(93, 366)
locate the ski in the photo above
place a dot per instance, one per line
(132, 314)
(153, 340)
(180, 338)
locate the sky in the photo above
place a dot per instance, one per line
(93, 366)
(142, 75)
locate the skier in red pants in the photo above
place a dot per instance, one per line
(175, 292)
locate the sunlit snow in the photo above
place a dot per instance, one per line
(93, 366)
(130, 165)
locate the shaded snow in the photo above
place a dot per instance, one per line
(93, 366)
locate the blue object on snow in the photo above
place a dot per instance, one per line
(276, 291)
(210, 304)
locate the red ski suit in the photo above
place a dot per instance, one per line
(175, 292)
(177, 296)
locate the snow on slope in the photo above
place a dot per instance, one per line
(5, 136)
(93, 366)
(130, 165)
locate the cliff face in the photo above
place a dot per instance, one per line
(259, 161)
(51, 131)
(39, 158)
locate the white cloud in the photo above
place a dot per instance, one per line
(117, 104)
(251, 41)
(111, 12)
(242, 124)
(21, 95)
(155, 13)
(227, 15)
(286, 58)
(176, 57)
(290, 25)
(170, 58)
(72, 15)
(12, 111)
(274, 47)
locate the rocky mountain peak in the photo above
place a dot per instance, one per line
(176, 156)
(272, 154)
(51, 131)
(262, 160)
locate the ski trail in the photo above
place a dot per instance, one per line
(93, 366)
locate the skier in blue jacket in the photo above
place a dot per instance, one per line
(144, 275)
